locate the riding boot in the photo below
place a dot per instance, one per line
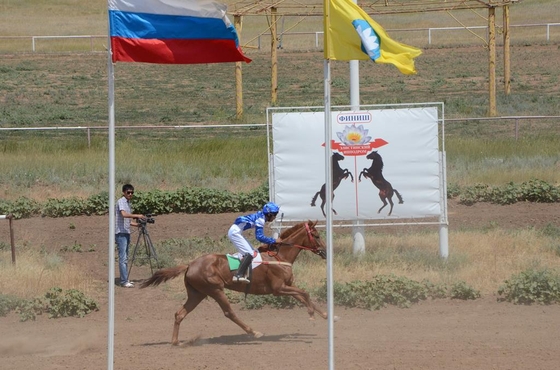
(245, 263)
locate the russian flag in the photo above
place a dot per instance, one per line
(172, 32)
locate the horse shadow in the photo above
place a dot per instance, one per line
(338, 174)
(375, 174)
(242, 340)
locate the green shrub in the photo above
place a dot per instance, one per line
(210, 201)
(381, 291)
(63, 207)
(57, 303)
(463, 291)
(530, 191)
(531, 286)
(97, 204)
(539, 191)
(8, 303)
(253, 302)
(21, 208)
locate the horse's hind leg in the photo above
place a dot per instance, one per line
(383, 199)
(222, 300)
(194, 298)
(391, 209)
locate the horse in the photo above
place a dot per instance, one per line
(338, 174)
(210, 274)
(374, 173)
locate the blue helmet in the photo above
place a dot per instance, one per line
(270, 208)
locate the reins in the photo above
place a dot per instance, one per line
(313, 249)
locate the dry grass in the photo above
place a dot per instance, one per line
(35, 273)
(482, 260)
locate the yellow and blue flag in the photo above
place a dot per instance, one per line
(352, 35)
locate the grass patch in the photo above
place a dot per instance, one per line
(37, 272)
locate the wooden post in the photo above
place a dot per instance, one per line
(237, 23)
(492, 61)
(12, 242)
(10, 218)
(507, 69)
(274, 55)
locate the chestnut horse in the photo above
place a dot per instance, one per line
(209, 275)
(375, 174)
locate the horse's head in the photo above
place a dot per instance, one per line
(373, 155)
(337, 156)
(304, 236)
(317, 245)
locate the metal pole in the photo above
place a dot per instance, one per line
(237, 21)
(443, 226)
(357, 230)
(328, 191)
(112, 217)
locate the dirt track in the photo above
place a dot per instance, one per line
(442, 334)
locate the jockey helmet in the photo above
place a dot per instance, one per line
(270, 208)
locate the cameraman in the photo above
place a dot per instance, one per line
(122, 232)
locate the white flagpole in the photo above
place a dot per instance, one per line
(359, 244)
(111, 246)
(328, 189)
(328, 192)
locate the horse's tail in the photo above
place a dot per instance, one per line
(315, 198)
(401, 201)
(161, 276)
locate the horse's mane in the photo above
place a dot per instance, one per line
(286, 233)
(378, 161)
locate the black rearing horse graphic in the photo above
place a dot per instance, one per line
(338, 174)
(374, 173)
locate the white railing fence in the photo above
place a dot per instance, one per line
(289, 40)
(514, 130)
(422, 32)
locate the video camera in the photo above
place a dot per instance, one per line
(148, 220)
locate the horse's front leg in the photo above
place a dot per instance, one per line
(364, 172)
(222, 300)
(348, 173)
(301, 296)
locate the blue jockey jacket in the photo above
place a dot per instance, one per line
(255, 220)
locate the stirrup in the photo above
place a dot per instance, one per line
(241, 279)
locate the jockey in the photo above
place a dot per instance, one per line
(257, 221)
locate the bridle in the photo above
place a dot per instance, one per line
(314, 243)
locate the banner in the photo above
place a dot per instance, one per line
(379, 157)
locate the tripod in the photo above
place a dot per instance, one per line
(151, 254)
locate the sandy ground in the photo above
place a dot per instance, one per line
(441, 334)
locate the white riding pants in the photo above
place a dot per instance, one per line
(235, 234)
